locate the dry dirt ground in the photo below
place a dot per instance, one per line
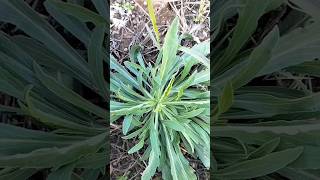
(130, 21)
(129, 26)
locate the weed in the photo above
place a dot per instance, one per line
(162, 107)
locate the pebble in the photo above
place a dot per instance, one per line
(125, 49)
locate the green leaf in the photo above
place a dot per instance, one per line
(265, 149)
(198, 56)
(62, 173)
(170, 47)
(126, 124)
(19, 13)
(95, 57)
(116, 66)
(67, 94)
(295, 174)
(246, 25)
(75, 26)
(296, 47)
(257, 60)
(51, 157)
(226, 99)
(79, 12)
(260, 166)
(136, 147)
(152, 166)
(102, 7)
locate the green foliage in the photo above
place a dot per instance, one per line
(165, 105)
(264, 132)
(42, 71)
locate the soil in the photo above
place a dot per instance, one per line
(128, 27)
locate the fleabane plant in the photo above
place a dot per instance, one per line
(165, 105)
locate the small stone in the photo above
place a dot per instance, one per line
(125, 49)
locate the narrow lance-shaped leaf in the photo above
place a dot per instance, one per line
(257, 60)
(95, 57)
(169, 48)
(246, 25)
(260, 166)
(226, 99)
(67, 94)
